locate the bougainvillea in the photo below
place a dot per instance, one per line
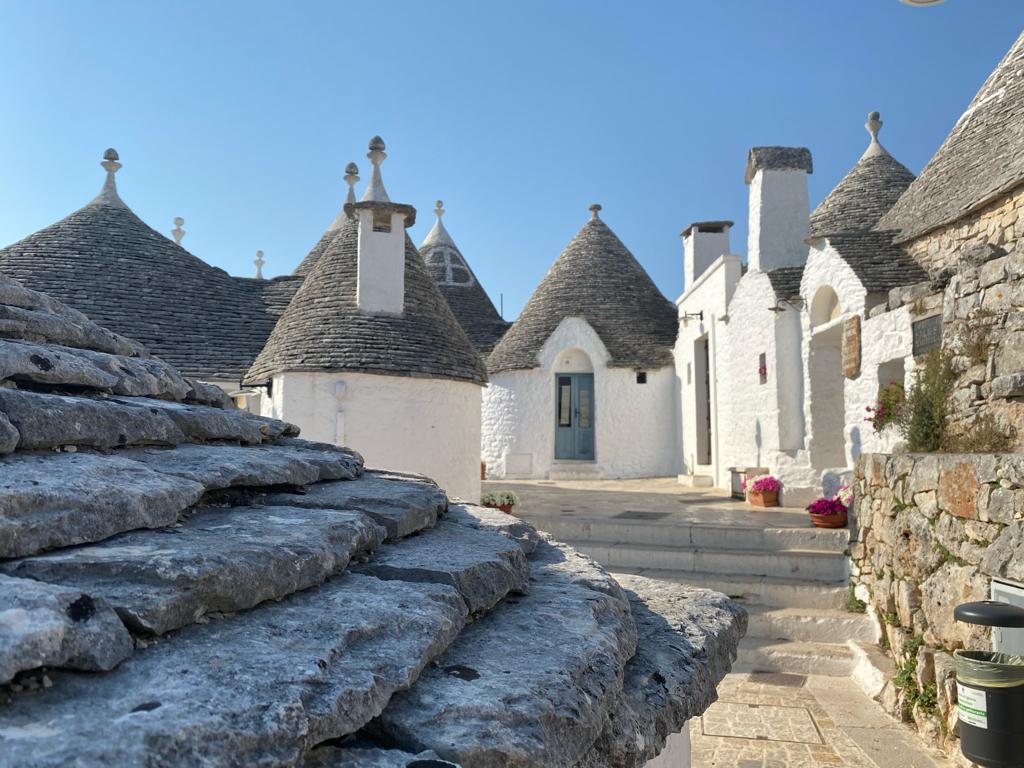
(762, 484)
(845, 495)
(825, 506)
(888, 408)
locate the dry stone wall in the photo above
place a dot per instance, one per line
(980, 261)
(932, 530)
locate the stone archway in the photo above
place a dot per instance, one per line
(825, 306)
(827, 443)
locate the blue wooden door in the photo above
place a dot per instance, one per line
(574, 416)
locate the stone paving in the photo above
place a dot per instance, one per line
(772, 720)
(660, 499)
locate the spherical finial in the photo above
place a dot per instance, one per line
(439, 209)
(351, 169)
(110, 164)
(259, 262)
(111, 154)
(594, 210)
(178, 221)
(377, 144)
(873, 125)
(178, 233)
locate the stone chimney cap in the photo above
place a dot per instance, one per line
(707, 226)
(777, 159)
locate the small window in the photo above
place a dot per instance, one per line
(381, 221)
(564, 402)
(641, 377)
(762, 368)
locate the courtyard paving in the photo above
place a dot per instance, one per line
(775, 720)
(660, 499)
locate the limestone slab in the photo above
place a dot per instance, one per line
(258, 688)
(202, 422)
(9, 436)
(56, 626)
(41, 325)
(224, 466)
(50, 500)
(686, 642)
(486, 518)
(482, 565)
(334, 462)
(216, 560)
(138, 376)
(402, 505)
(48, 365)
(529, 684)
(47, 421)
(371, 757)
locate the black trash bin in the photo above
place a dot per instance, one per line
(990, 691)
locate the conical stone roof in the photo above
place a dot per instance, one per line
(598, 279)
(323, 330)
(307, 264)
(106, 262)
(865, 193)
(458, 284)
(982, 157)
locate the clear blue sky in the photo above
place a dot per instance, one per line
(240, 116)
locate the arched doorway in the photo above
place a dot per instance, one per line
(827, 443)
(575, 407)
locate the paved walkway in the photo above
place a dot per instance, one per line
(660, 499)
(773, 720)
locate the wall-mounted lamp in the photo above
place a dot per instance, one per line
(781, 304)
(688, 316)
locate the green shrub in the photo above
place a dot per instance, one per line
(925, 414)
(983, 436)
(499, 499)
(854, 605)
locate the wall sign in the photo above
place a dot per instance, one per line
(927, 334)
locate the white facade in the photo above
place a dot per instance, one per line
(407, 424)
(380, 281)
(834, 410)
(635, 424)
(778, 219)
(698, 369)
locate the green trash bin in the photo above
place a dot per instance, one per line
(990, 692)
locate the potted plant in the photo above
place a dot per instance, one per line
(762, 491)
(831, 513)
(503, 500)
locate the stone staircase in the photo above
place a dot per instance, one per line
(792, 581)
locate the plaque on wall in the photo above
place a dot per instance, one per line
(851, 347)
(927, 334)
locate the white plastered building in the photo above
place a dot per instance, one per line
(368, 354)
(583, 384)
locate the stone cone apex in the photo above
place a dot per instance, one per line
(873, 126)
(108, 193)
(375, 191)
(437, 235)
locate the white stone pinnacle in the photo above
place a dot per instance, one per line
(259, 262)
(873, 126)
(375, 191)
(439, 209)
(178, 232)
(351, 178)
(595, 209)
(108, 194)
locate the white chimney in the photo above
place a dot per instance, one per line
(703, 242)
(380, 277)
(779, 214)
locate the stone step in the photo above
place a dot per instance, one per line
(758, 654)
(572, 470)
(820, 625)
(789, 563)
(683, 533)
(757, 590)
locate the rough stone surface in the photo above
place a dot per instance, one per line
(9, 435)
(482, 565)
(138, 376)
(39, 364)
(223, 466)
(687, 641)
(56, 626)
(58, 499)
(47, 421)
(486, 518)
(530, 684)
(259, 688)
(402, 505)
(371, 757)
(203, 423)
(216, 560)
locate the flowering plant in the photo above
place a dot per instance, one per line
(888, 408)
(825, 506)
(762, 484)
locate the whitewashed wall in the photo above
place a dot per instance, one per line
(635, 424)
(429, 426)
(710, 293)
(885, 339)
(757, 420)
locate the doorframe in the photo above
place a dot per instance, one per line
(575, 376)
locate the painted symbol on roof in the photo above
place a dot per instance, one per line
(455, 270)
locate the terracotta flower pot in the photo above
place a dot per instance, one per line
(763, 498)
(837, 520)
(506, 508)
